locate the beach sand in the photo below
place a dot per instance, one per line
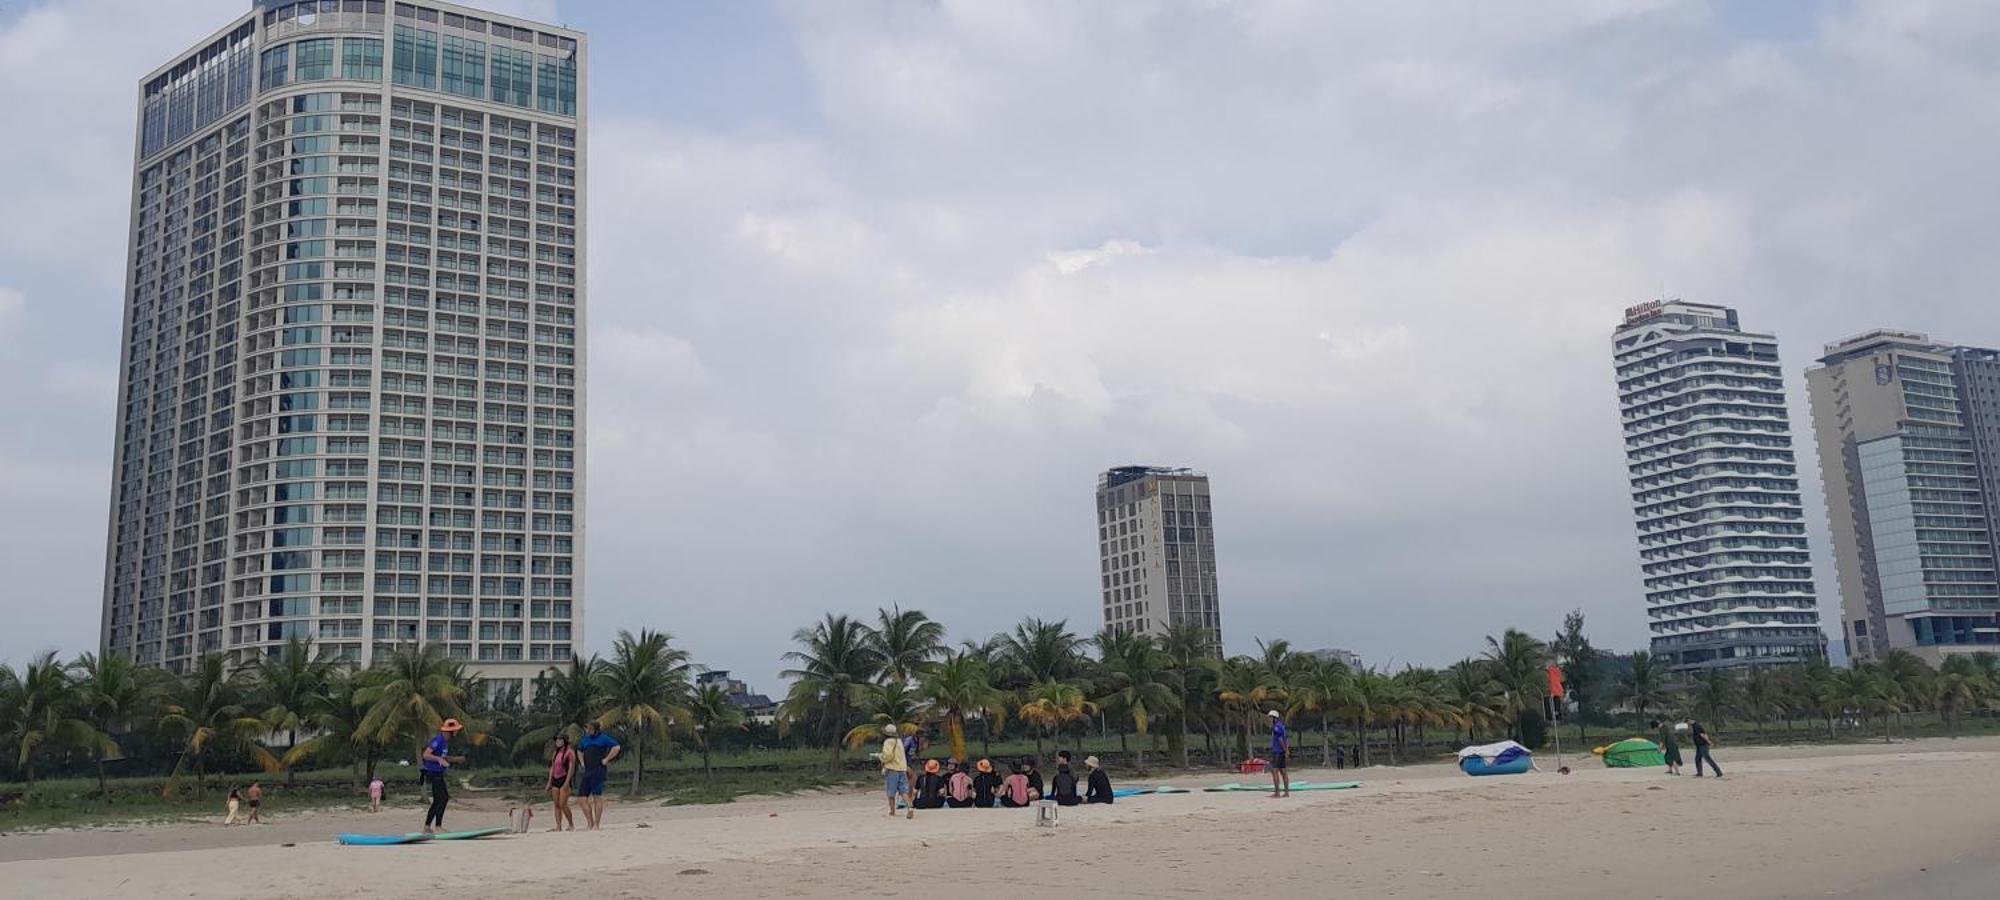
(1915, 819)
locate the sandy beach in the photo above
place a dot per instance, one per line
(1913, 819)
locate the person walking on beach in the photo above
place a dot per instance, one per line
(437, 760)
(375, 796)
(1281, 780)
(256, 798)
(235, 799)
(1703, 741)
(562, 772)
(597, 750)
(895, 771)
(1670, 746)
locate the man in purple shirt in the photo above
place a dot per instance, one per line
(1281, 780)
(436, 761)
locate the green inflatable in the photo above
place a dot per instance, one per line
(1632, 753)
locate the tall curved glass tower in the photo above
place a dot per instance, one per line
(1715, 489)
(351, 399)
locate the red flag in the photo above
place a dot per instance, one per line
(1556, 682)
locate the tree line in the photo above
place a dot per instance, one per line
(851, 676)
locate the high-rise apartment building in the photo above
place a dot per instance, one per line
(1909, 438)
(1715, 489)
(1156, 550)
(350, 402)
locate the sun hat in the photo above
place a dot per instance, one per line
(450, 726)
(931, 766)
(985, 765)
(1090, 761)
(1273, 714)
(889, 730)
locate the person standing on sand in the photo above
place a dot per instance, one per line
(1702, 742)
(895, 771)
(435, 763)
(256, 798)
(1339, 757)
(235, 798)
(1670, 746)
(375, 796)
(562, 772)
(597, 750)
(1281, 780)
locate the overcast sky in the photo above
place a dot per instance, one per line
(877, 289)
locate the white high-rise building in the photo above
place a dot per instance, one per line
(1715, 489)
(350, 401)
(1156, 550)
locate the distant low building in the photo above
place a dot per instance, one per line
(1348, 658)
(756, 707)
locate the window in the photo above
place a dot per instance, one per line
(511, 76)
(416, 57)
(361, 59)
(464, 66)
(315, 60)
(276, 66)
(557, 88)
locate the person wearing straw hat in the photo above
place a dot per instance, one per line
(1281, 780)
(436, 762)
(986, 785)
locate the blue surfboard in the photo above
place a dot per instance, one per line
(381, 840)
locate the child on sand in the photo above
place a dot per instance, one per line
(986, 786)
(1100, 783)
(235, 799)
(1015, 791)
(958, 787)
(375, 796)
(930, 787)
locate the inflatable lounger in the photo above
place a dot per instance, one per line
(1473, 765)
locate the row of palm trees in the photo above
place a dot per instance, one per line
(1880, 693)
(850, 677)
(298, 707)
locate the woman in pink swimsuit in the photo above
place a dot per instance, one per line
(561, 770)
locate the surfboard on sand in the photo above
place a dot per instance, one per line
(1297, 786)
(457, 835)
(381, 840)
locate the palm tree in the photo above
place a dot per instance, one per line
(894, 703)
(1189, 646)
(645, 687)
(286, 686)
(1476, 698)
(1762, 694)
(1052, 706)
(565, 698)
(1323, 688)
(907, 640)
(830, 673)
(1579, 661)
(1243, 687)
(1371, 700)
(413, 690)
(335, 717)
(208, 704)
(957, 689)
(1520, 665)
(40, 708)
(1041, 651)
(1960, 683)
(1715, 694)
(1139, 684)
(112, 694)
(1644, 686)
(709, 710)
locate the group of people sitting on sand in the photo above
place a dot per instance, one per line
(954, 784)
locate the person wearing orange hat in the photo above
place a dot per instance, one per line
(436, 763)
(930, 787)
(985, 785)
